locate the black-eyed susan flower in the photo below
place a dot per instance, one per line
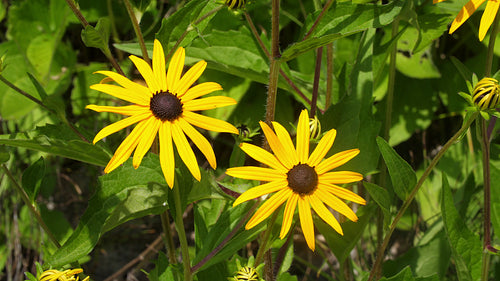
(165, 106)
(468, 9)
(56, 275)
(299, 179)
(486, 94)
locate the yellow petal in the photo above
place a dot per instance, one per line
(200, 141)
(269, 206)
(437, 1)
(322, 148)
(209, 123)
(117, 126)
(340, 177)
(286, 141)
(185, 151)
(256, 173)
(167, 159)
(288, 214)
(464, 14)
(306, 221)
(336, 160)
(124, 110)
(325, 214)
(277, 148)
(141, 91)
(175, 68)
(159, 65)
(189, 78)
(146, 72)
(261, 190)
(126, 148)
(487, 19)
(200, 90)
(303, 137)
(126, 94)
(342, 193)
(147, 138)
(336, 204)
(263, 156)
(208, 103)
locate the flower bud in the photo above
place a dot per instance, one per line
(486, 94)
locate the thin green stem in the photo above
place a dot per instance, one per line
(485, 147)
(85, 23)
(190, 28)
(31, 207)
(265, 239)
(137, 30)
(381, 250)
(491, 47)
(272, 90)
(486, 265)
(179, 223)
(169, 243)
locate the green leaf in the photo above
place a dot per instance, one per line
(347, 18)
(495, 198)
(32, 178)
(163, 271)
(342, 245)
(382, 198)
(58, 140)
(40, 53)
(52, 102)
(4, 155)
(403, 275)
(124, 194)
(174, 26)
(98, 36)
(307, 45)
(465, 245)
(402, 175)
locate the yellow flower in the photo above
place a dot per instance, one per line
(56, 275)
(166, 106)
(301, 179)
(486, 94)
(468, 9)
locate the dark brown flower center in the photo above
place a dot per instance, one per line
(302, 179)
(165, 106)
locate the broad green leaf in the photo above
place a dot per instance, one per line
(429, 257)
(286, 277)
(402, 175)
(124, 194)
(348, 18)
(4, 155)
(307, 45)
(32, 178)
(382, 198)
(163, 270)
(98, 36)
(40, 53)
(182, 21)
(58, 140)
(403, 275)
(465, 245)
(342, 245)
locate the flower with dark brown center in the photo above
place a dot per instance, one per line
(302, 179)
(165, 106)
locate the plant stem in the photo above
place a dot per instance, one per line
(31, 207)
(169, 243)
(179, 223)
(381, 250)
(85, 23)
(317, 74)
(265, 239)
(137, 30)
(320, 16)
(329, 75)
(189, 28)
(268, 55)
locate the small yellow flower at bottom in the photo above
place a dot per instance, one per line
(67, 275)
(299, 179)
(165, 107)
(468, 9)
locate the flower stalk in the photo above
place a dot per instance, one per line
(179, 223)
(137, 29)
(381, 249)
